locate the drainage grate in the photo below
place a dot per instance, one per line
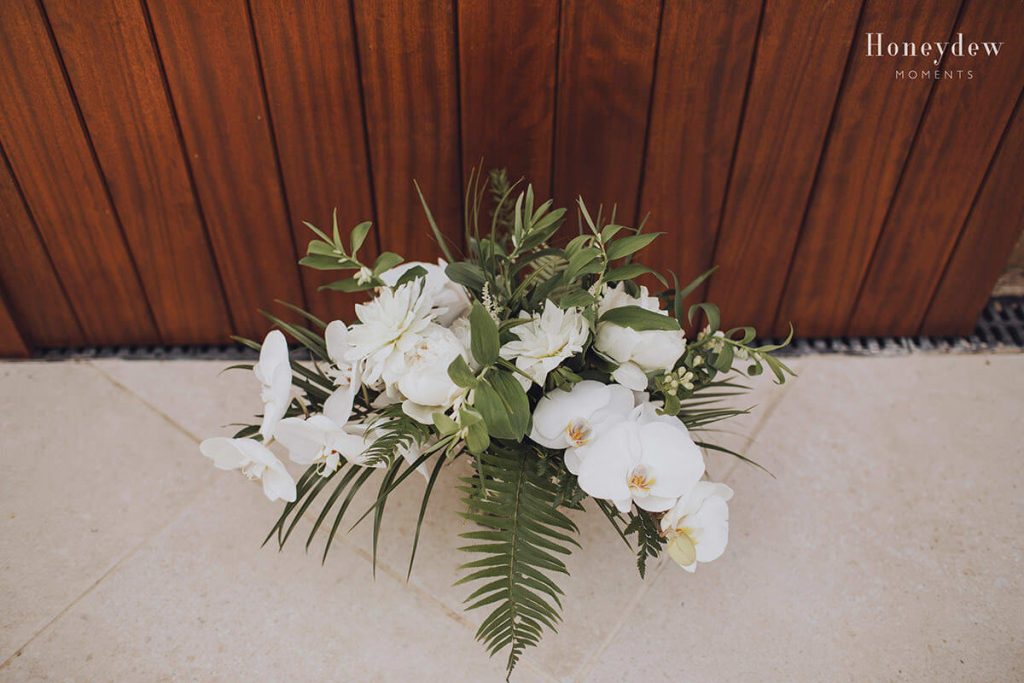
(1000, 328)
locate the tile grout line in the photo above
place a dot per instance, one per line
(584, 670)
(390, 571)
(110, 570)
(166, 418)
(422, 592)
(143, 541)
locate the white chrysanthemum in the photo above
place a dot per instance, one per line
(389, 325)
(255, 461)
(636, 352)
(697, 526)
(546, 341)
(449, 300)
(649, 460)
(573, 419)
(274, 372)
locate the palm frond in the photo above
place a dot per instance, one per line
(521, 534)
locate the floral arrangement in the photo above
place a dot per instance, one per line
(560, 377)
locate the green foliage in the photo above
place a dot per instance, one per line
(521, 537)
(513, 265)
(648, 538)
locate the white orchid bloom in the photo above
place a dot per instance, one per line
(573, 419)
(274, 372)
(697, 527)
(546, 341)
(449, 300)
(319, 440)
(637, 352)
(390, 324)
(346, 374)
(650, 463)
(255, 461)
(421, 380)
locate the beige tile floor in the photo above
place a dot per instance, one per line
(890, 545)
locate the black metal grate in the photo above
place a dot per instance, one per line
(1000, 328)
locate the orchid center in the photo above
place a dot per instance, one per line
(253, 470)
(639, 482)
(577, 432)
(327, 461)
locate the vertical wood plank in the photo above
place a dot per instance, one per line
(12, 345)
(798, 66)
(605, 73)
(875, 121)
(958, 136)
(316, 106)
(212, 67)
(508, 54)
(993, 227)
(51, 158)
(704, 56)
(410, 86)
(34, 293)
(116, 78)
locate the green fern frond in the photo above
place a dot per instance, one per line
(521, 534)
(648, 539)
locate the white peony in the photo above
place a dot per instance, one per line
(449, 300)
(389, 325)
(648, 460)
(421, 379)
(274, 372)
(636, 352)
(546, 341)
(573, 419)
(697, 527)
(255, 461)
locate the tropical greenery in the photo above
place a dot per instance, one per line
(540, 357)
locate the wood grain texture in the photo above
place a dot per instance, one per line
(212, 67)
(704, 58)
(116, 78)
(958, 136)
(605, 74)
(508, 59)
(34, 293)
(12, 345)
(53, 163)
(410, 86)
(993, 227)
(316, 106)
(799, 63)
(875, 121)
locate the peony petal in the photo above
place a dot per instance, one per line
(630, 376)
(420, 413)
(224, 452)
